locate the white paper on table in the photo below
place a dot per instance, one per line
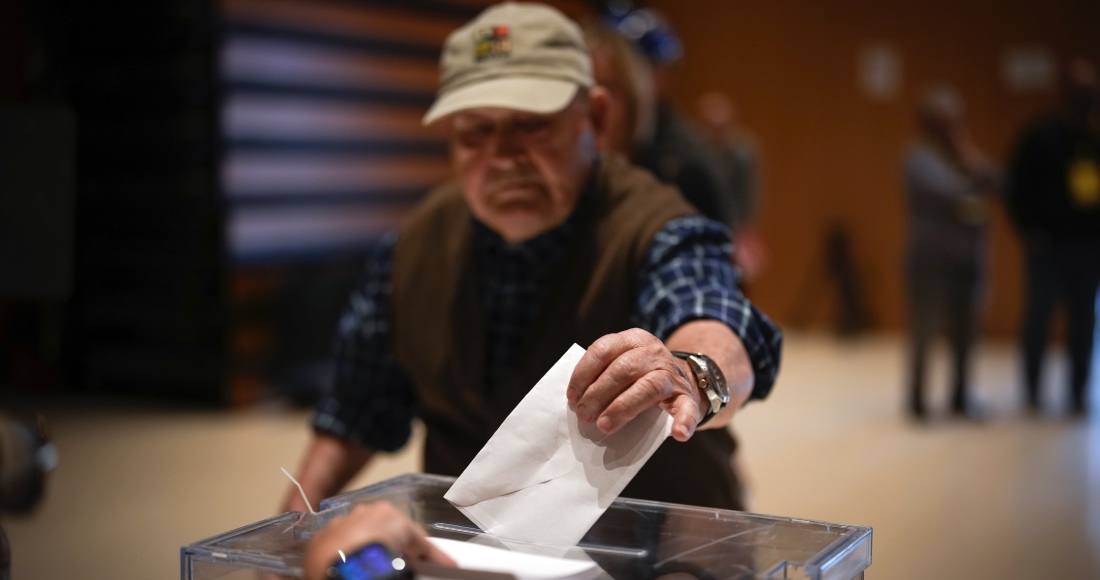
(480, 559)
(545, 476)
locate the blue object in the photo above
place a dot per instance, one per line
(371, 562)
(648, 31)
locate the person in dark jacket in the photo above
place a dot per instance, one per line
(1053, 197)
(668, 144)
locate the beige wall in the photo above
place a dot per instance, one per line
(833, 154)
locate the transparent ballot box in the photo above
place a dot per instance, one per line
(633, 539)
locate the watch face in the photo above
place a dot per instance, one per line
(718, 381)
(707, 376)
(373, 562)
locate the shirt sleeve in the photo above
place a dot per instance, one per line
(369, 399)
(688, 275)
(936, 189)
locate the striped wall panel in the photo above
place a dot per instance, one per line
(324, 149)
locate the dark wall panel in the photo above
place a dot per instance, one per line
(324, 152)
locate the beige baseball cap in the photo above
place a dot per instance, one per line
(524, 56)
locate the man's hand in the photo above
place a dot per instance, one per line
(367, 524)
(623, 374)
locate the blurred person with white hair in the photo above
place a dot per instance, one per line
(945, 178)
(639, 71)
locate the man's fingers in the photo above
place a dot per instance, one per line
(599, 355)
(417, 546)
(421, 548)
(366, 524)
(648, 391)
(409, 539)
(620, 377)
(685, 417)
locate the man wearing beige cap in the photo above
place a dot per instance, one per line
(540, 242)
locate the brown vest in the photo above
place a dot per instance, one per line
(439, 332)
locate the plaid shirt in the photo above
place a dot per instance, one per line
(686, 275)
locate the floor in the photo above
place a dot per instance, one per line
(1015, 497)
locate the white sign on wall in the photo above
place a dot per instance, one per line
(879, 72)
(1028, 69)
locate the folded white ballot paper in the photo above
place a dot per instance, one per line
(486, 560)
(545, 476)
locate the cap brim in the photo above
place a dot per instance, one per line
(530, 95)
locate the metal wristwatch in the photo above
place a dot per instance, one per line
(709, 379)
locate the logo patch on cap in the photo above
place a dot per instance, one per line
(492, 42)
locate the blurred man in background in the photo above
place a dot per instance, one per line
(666, 144)
(945, 178)
(1053, 196)
(737, 153)
(738, 159)
(635, 53)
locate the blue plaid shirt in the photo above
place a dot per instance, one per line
(687, 275)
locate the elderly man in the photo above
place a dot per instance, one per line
(539, 242)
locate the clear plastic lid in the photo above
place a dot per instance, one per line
(633, 539)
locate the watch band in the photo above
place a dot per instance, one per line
(709, 379)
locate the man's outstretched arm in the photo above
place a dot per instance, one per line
(369, 405)
(688, 297)
(623, 374)
(328, 465)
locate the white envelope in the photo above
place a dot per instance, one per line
(546, 477)
(480, 561)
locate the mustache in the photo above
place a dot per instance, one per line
(498, 182)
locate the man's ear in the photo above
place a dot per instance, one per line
(599, 103)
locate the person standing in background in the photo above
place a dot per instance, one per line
(619, 67)
(668, 145)
(945, 177)
(714, 167)
(738, 158)
(1053, 197)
